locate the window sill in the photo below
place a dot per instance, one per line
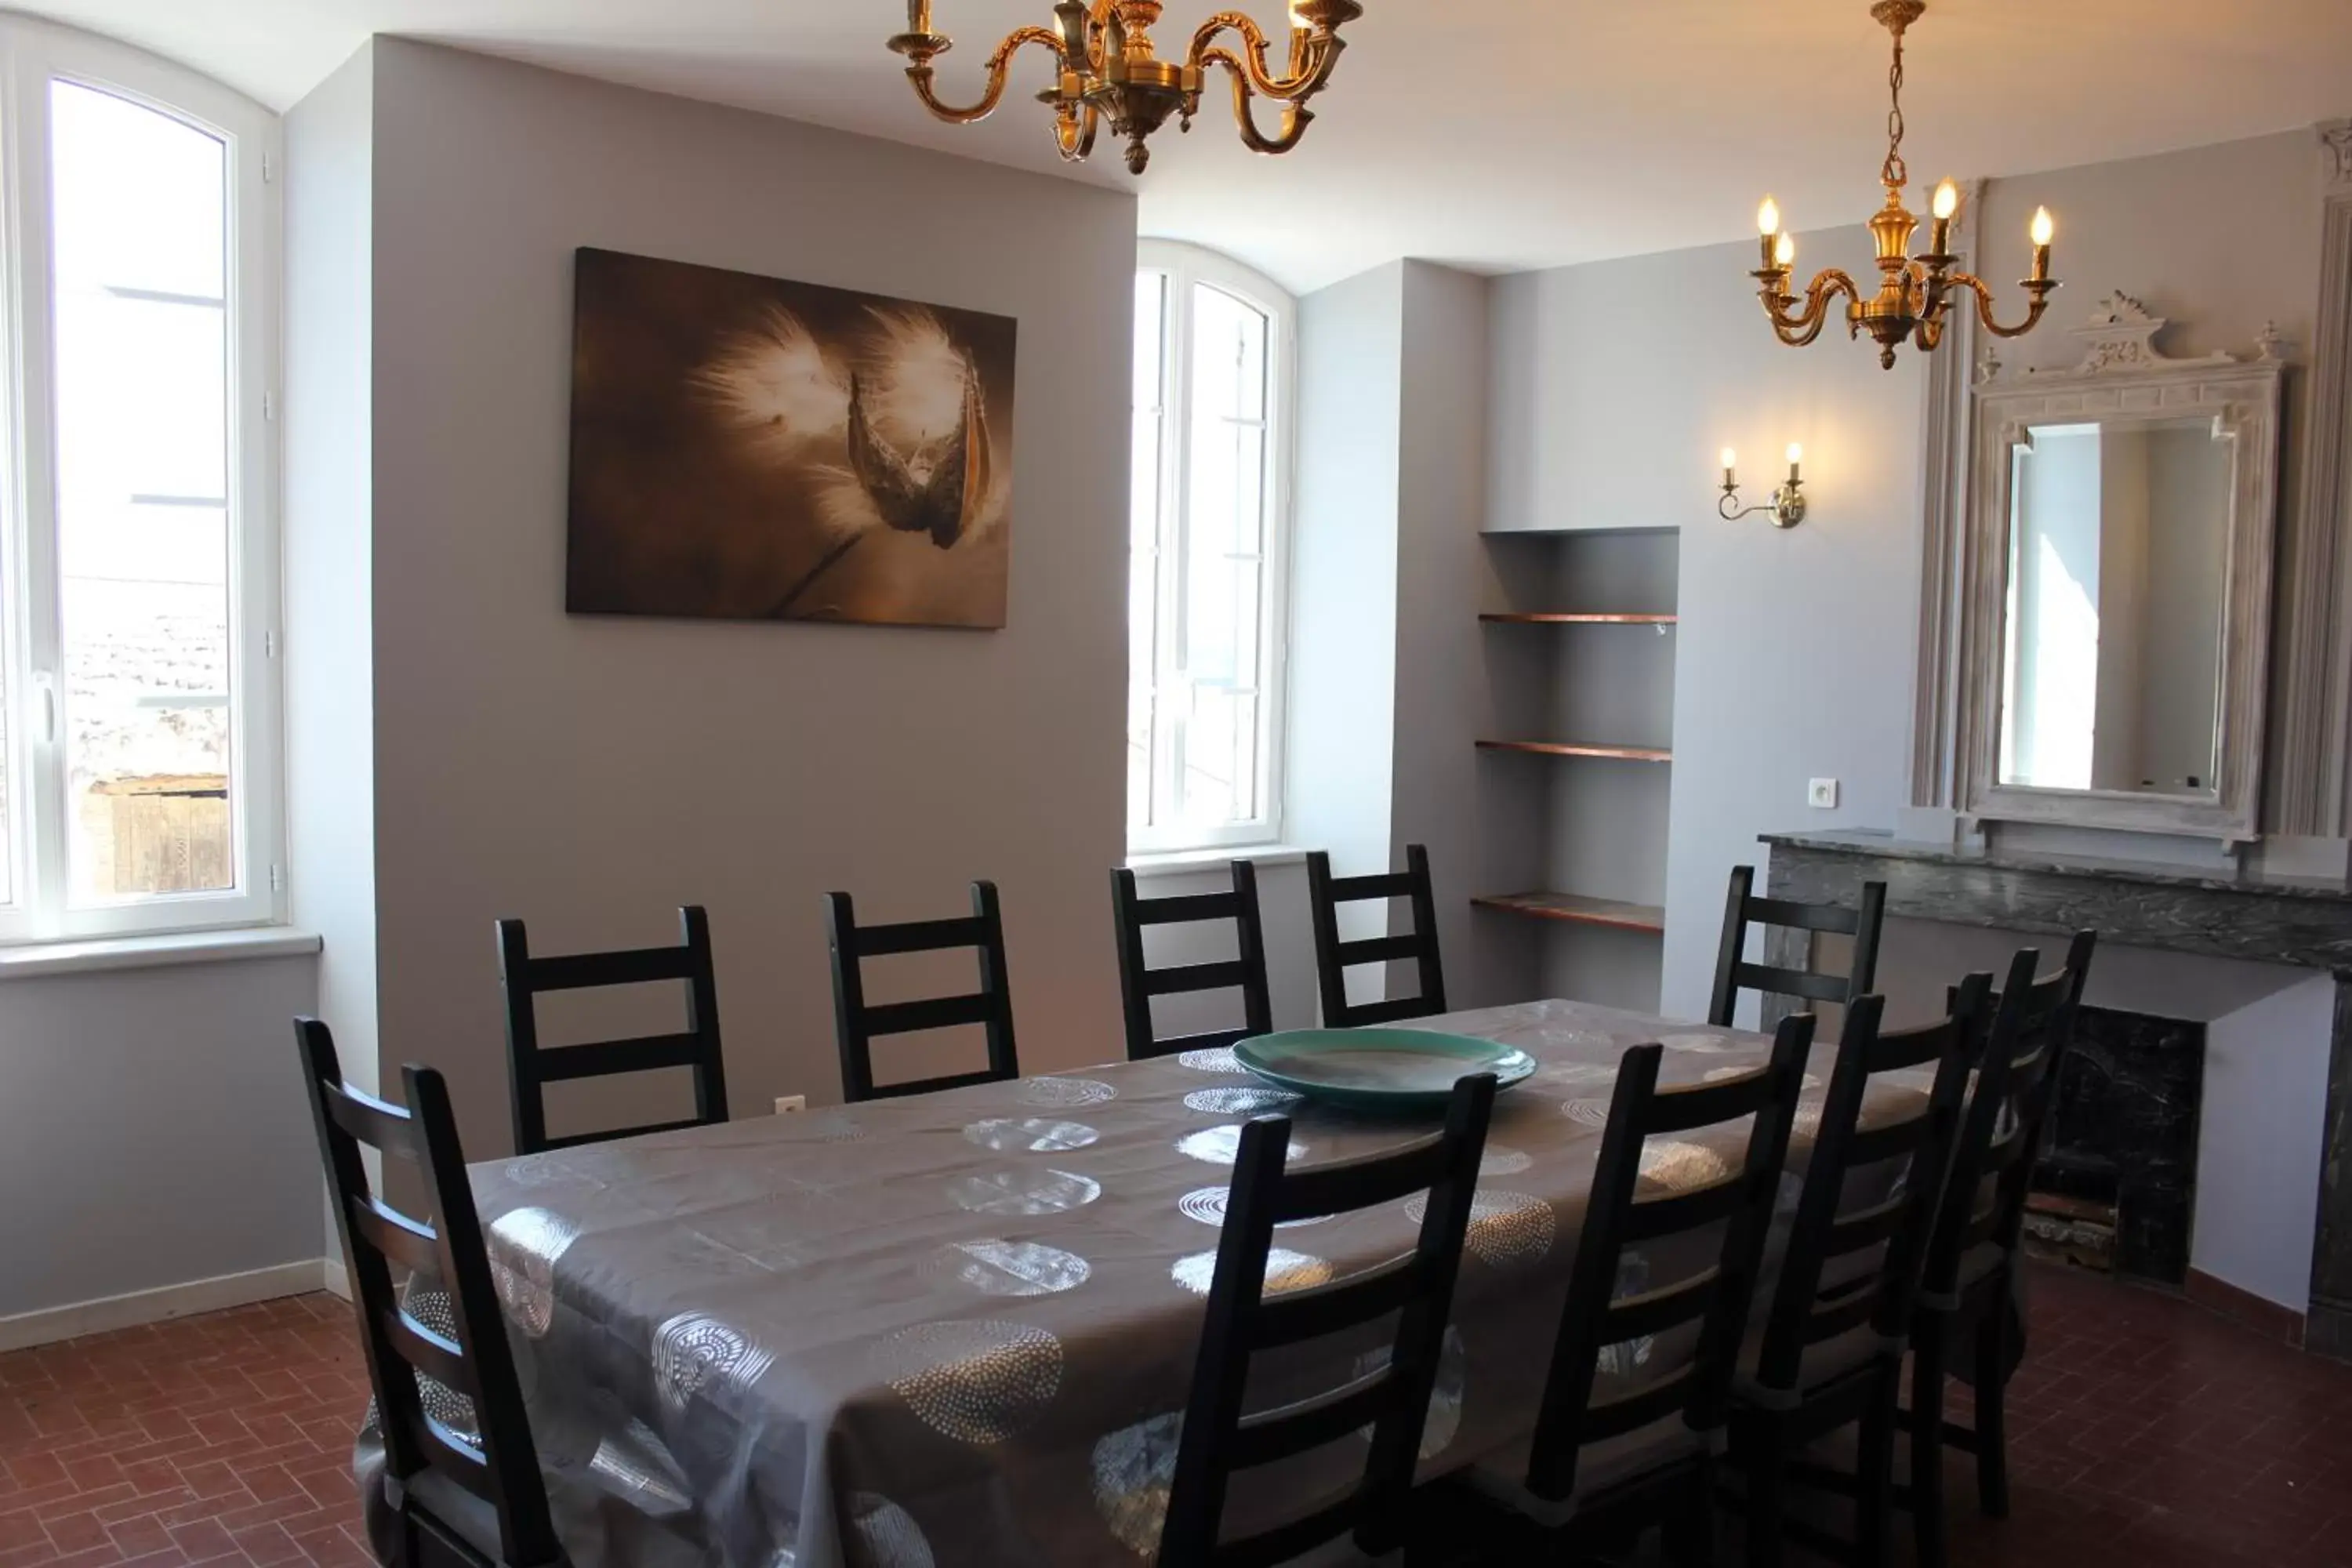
(1175, 862)
(37, 960)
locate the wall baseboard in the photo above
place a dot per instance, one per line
(53, 1324)
(2242, 1307)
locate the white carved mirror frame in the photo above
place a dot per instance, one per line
(2125, 381)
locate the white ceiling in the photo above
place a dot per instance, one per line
(1496, 134)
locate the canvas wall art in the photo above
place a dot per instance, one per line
(747, 448)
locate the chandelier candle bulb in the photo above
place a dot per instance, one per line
(1913, 299)
(1796, 460)
(1948, 202)
(1730, 470)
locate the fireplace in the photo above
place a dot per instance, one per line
(2114, 1182)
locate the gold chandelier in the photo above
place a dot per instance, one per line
(1915, 295)
(1106, 68)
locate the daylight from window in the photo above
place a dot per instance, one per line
(143, 368)
(1206, 527)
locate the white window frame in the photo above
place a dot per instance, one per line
(32, 54)
(1182, 267)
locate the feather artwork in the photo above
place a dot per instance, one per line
(940, 491)
(908, 414)
(852, 449)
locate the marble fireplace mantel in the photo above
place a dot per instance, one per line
(2299, 922)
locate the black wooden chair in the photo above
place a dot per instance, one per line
(1139, 983)
(1745, 908)
(1831, 1348)
(1333, 958)
(474, 1495)
(1392, 1400)
(1598, 1470)
(531, 1067)
(1966, 1290)
(857, 1022)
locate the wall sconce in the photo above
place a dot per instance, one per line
(1787, 506)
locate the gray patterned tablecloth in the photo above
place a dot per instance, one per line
(957, 1329)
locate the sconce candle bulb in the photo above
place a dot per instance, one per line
(1787, 506)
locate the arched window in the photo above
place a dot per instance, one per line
(137, 543)
(1215, 351)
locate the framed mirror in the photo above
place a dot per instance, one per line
(2118, 587)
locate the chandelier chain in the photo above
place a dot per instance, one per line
(1894, 171)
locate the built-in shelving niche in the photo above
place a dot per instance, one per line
(1580, 633)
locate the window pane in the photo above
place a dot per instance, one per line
(141, 210)
(1224, 539)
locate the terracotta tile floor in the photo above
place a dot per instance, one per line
(2143, 1430)
(2148, 1431)
(222, 1438)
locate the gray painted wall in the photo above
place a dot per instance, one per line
(154, 1131)
(2218, 239)
(1447, 694)
(1339, 781)
(589, 773)
(1615, 383)
(330, 663)
(1614, 386)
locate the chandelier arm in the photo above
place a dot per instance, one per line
(998, 69)
(1797, 330)
(1073, 131)
(1295, 115)
(1311, 58)
(2040, 292)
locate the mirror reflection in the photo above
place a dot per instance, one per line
(2118, 542)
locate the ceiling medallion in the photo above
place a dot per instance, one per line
(1914, 294)
(1106, 68)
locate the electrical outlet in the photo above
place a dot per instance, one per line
(1821, 794)
(790, 1104)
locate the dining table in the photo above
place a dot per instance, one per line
(960, 1327)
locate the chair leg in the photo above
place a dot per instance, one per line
(1767, 1465)
(1874, 1497)
(1928, 1445)
(1689, 1533)
(1991, 1423)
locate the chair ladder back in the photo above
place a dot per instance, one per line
(1801, 1312)
(2047, 1016)
(1617, 1216)
(1744, 908)
(1333, 958)
(476, 1359)
(858, 1023)
(1138, 983)
(1219, 1439)
(531, 1067)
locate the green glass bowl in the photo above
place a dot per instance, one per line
(1378, 1070)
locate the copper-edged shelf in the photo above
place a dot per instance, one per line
(1580, 618)
(1578, 909)
(1576, 749)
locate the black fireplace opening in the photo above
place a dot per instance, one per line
(2114, 1182)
